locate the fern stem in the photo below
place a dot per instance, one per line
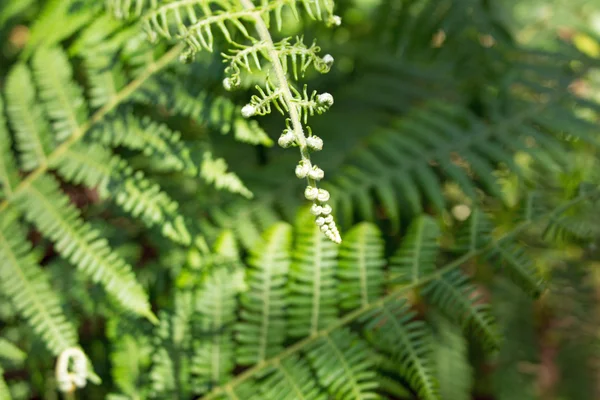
(352, 316)
(98, 116)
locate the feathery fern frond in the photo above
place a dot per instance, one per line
(360, 266)
(28, 289)
(8, 167)
(418, 252)
(31, 132)
(458, 299)
(312, 282)
(44, 205)
(262, 330)
(214, 171)
(395, 331)
(342, 364)
(10, 352)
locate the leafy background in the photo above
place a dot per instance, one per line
(461, 154)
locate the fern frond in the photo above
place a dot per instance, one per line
(262, 330)
(10, 352)
(61, 97)
(515, 263)
(312, 284)
(152, 138)
(458, 299)
(214, 171)
(49, 209)
(475, 233)
(8, 167)
(418, 252)
(216, 303)
(360, 266)
(292, 379)
(131, 190)
(396, 332)
(342, 364)
(26, 118)
(451, 358)
(28, 289)
(4, 391)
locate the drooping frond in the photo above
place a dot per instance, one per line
(214, 171)
(342, 364)
(312, 283)
(459, 300)
(512, 259)
(418, 252)
(262, 330)
(22, 280)
(50, 210)
(396, 332)
(360, 266)
(292, 379)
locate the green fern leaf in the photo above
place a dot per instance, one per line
(514, 262)
(417, 255)
(28, 289)
(475, 233)
(4, 391)
(342, 364)
(8, 167)
(10, 352)
(312, 284)
(215, 172)
(27, 120)
(450, 356)
(292, 379)
(395, 331)
(50, 210)
(361, 262)
(262, 330)
(459, 301)
(62, 98)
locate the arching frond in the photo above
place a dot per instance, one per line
(360, 269)
(45, 206)
(475, 232)
(214, 171)
(22, 280)
(516, 264)
(459, 300)
(342, 364)
(312, 283)
(418, 252)
(396, 332)
(262, 330)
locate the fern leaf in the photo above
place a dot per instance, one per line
(145, 135)
(62, 98)
(312, 284)
(453, 370)
(4, 392)
(44, 205)
(361, 262)
(10, 352)
(28, 289)
(512, 260)
(475, 233)
(342, 364)
(31, 132)
(8, 167)
(215, 172)
(409, 342)
(262, 330)
(417, 255)
(459, 301)
(292, 379)
(128, 356)
(131, 190)
(216, 304)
